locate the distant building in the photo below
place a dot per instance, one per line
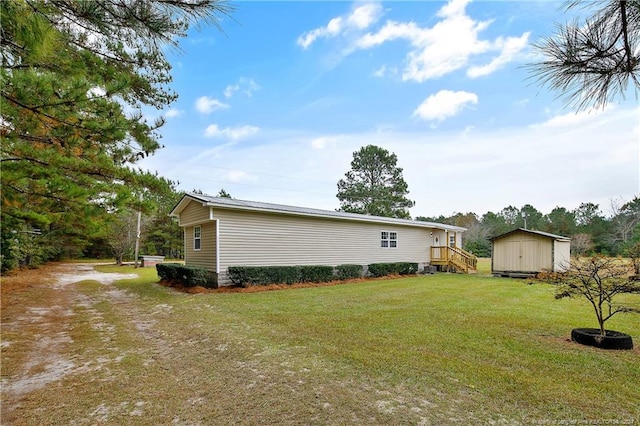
(524, 252)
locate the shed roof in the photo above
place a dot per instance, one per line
(531, 231)
(233, 204)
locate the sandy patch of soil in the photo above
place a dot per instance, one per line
(37, 308)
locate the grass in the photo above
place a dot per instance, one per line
(435, 349)
(500, 341)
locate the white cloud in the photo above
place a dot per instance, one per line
(237, 176)
(444, 104)
(574, 118)
(360, 18)
(173, 112)
(230, 90)
(247, 85)
(207, 105)
(390, 31)
(446, 46)
(232, 133)
(380, 71)
(323, 142)
(510, 48)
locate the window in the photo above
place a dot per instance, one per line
(388, 239)
(197, 237)
(452, 240)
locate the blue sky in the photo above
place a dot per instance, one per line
(273, 108)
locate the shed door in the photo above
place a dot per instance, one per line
(529, 255)
(520, 256)
(510, 256)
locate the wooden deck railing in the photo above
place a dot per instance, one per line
(454, 256)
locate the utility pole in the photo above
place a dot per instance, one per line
(135, 261)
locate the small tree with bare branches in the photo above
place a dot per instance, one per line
(581, 244)
(599, 279)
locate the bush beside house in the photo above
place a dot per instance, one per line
(189, 276)
(248, 276)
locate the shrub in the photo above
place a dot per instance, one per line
(348, 271)
(316, 273)
(399, 268)
(247, 276)
(167, 271)
(189, 276)
(407, 268)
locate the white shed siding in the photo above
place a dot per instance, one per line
(263, 239)
(562, 255)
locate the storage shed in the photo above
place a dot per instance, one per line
(524, 252)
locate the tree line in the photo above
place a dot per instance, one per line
(590, 229)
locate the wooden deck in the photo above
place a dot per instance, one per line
(454, 258)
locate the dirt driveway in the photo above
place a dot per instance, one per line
(37, 309)
(77, 349)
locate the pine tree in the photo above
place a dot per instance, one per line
(71, 71)
(374, 185)
(592, 62)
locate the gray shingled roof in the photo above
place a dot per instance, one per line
(232, 203)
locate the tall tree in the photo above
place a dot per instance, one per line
(561, 222)
(590, 220)
(74, 78)
(592, 62)
(532, 217)
(587, 213)
(495, 224)
(374, 185)
(511, 216)
(625, 222)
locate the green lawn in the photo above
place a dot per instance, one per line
(433, 350)
(492, 348)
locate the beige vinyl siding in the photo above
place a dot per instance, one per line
(263, 239)
(194, 213)
(522, 252)
(206, 256)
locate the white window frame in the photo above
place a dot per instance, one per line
(197, 238)
(389, 239)
(452, 240)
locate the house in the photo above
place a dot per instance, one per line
(524, 252)
(224, 232)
